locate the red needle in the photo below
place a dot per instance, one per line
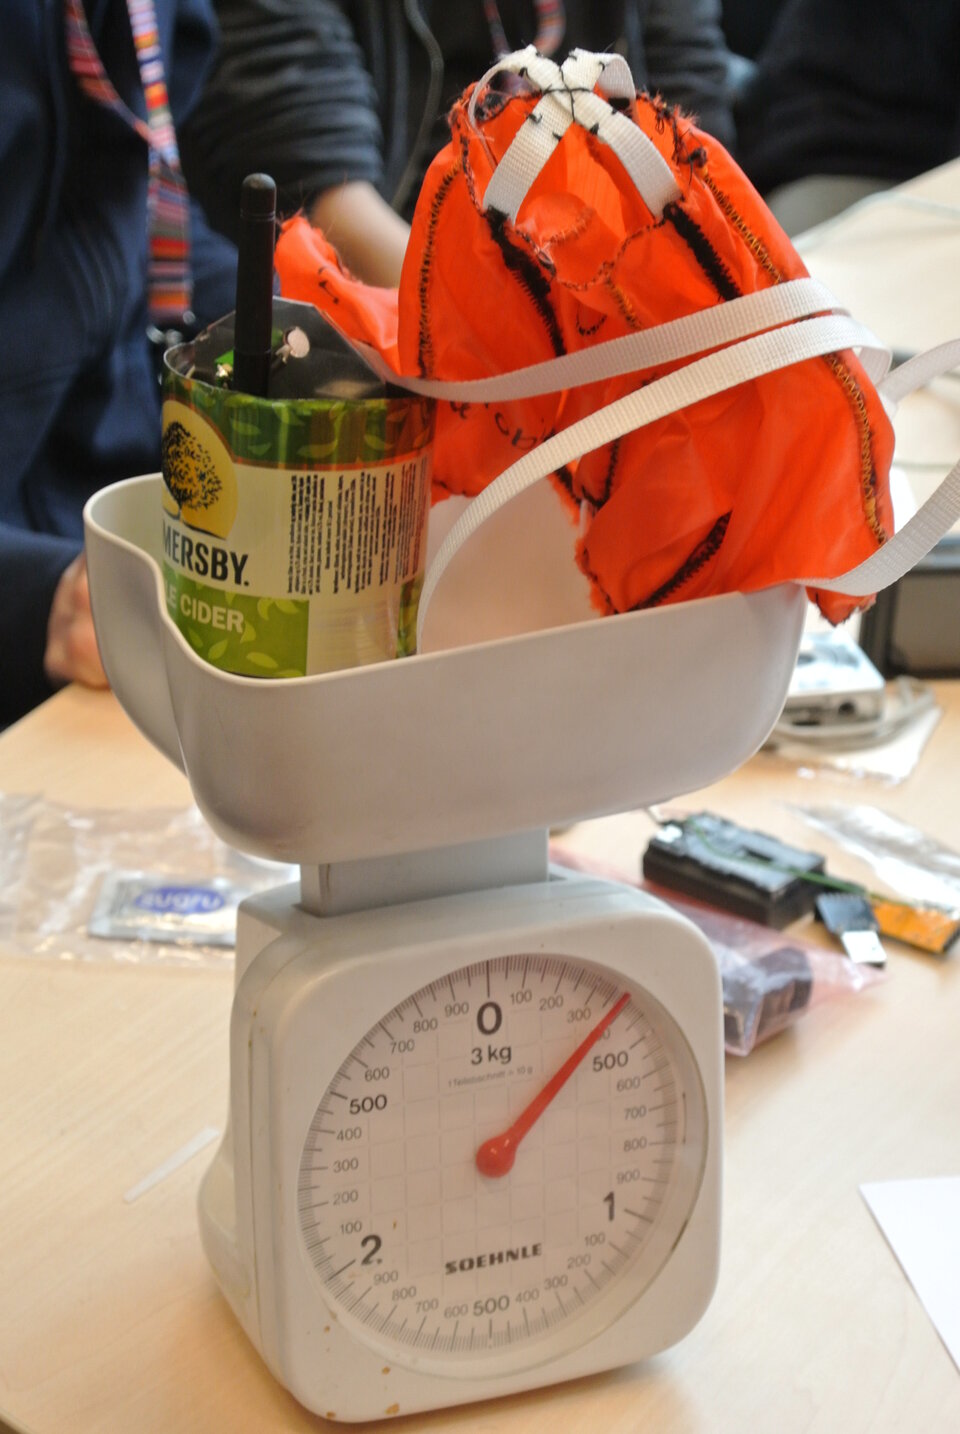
(496, 1156)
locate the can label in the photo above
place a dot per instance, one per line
(294, 533)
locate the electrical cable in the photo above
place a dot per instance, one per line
(905, 701)
(815, 878)
(431, 108)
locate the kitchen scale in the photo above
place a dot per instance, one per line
(476, 1103)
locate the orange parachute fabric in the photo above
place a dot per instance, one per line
(779, 478)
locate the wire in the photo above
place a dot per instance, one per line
(816, 878)
(431, 106)
(912, 699)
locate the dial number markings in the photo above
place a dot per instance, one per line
(590, 1090)
(495, 1157)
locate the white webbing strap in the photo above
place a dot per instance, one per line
(932, 520)
(749, 359)
(527, 61)
(569, 98)
(905, 549)
(615, 80)
(694, 334)
(920, 369)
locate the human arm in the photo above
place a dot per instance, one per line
(290, 95)
(364, 229)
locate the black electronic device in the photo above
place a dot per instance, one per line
(730, 866)
(762, 996)
(914, 625)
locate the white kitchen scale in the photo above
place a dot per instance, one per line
(474, 1140)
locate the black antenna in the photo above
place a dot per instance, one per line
(253, 322)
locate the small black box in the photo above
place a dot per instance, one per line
(729, 866)
(914, 625)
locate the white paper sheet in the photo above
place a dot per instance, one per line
(921, 1222)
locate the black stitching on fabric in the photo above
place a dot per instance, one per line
(608, 476)
(606, 487)
(424, 341)
(542, 258)
(702, 250)
(678, 152)
(588, 572)
(605, 270)
(528, 275)
(564, 89)
(467, 171)
(588, 330)
(564, 477)
(700, 556)
(753, 241)
(493, 103)
(868, 472)
(664, 114)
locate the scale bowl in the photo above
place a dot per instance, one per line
(450, 746)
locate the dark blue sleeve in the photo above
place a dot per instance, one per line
(31, 564)
(213, 261)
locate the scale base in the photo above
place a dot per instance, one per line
(308, 989)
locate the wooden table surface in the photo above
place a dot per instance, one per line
(110, 1319)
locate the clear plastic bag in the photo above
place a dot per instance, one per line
(17, 816)
(910, 862)
(770, 978)
(62, 868)
(886, 751)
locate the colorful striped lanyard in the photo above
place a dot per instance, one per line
(169, 289)
(551, 22)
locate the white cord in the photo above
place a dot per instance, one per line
(906, 700)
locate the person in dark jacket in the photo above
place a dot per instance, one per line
(345, 103)
(848, 97)
(79, 397)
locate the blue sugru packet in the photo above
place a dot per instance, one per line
(135, 906)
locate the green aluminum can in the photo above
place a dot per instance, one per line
(294, 527)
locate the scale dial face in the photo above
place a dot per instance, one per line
(503, 1164)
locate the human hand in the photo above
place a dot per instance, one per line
(71, 654)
